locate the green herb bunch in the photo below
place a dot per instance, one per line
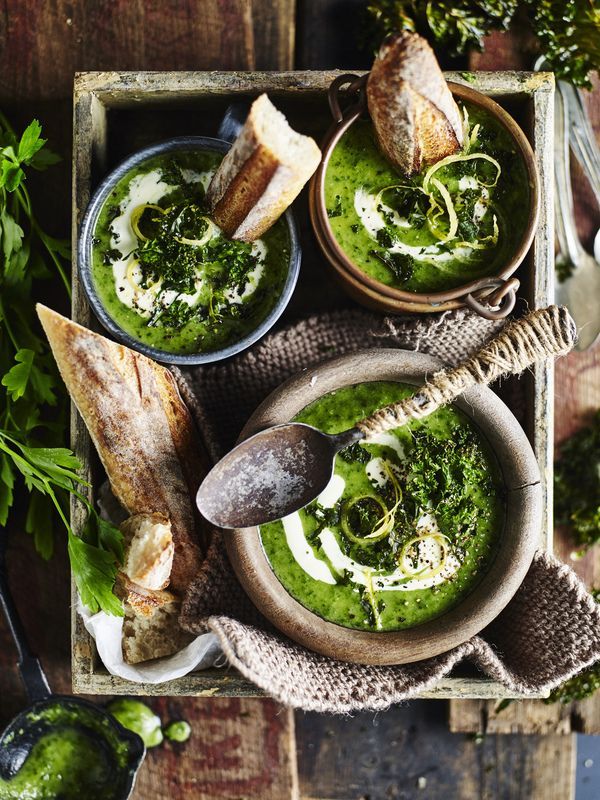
(33, 402)
(577, 484)
(568, 33)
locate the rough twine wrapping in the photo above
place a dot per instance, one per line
(548, 632)
(542, 333)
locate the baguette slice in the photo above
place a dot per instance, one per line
(262, 174)
(154, 635)
(151, 625)
(141, 428)
(149, 550)
(414, 114)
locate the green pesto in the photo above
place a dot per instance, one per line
(213, 322)
(178, 731)
(447, 466)
(66, 762)
(139, 718)
(357, 162)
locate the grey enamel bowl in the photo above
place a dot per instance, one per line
(85, 251)
(518, 541)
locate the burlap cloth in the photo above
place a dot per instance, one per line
(549, 631)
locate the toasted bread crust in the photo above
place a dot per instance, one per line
(414, 114)
(261, 175)
(245, 189)
(153, 635)
(142, 602)
(141, 428)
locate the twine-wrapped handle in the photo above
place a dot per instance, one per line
(538, 335)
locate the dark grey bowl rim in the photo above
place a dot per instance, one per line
(84, 259)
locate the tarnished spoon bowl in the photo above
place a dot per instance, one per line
(271, 474)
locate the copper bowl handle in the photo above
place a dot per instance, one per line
(497, 305)
(351, 84)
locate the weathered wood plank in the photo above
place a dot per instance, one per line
(484, 716)
(238, 749)
(274, 27)
(52, 39)
(407, 752)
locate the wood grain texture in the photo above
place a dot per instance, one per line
(274, 28)
(50, 40)
(238, 749)
(407, 753)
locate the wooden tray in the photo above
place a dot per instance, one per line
(115, 113)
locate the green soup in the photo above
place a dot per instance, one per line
(165, 272)
(456, 221)
(68, 763)
(408, 525)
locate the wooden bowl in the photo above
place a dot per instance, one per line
(479, 294)
(518, 540)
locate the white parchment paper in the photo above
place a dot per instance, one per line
(106, 630)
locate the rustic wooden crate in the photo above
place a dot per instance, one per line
(115, 113)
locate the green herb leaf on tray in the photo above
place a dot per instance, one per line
(569, 34)
(458, 25)
(94, 572)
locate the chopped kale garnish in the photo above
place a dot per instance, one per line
(171, 173)
(401, 264)
(385, 238)
(180, 252)
(355, 452)
(110, 256)
(338, 209)
(324, 518)
(176, 315)
(467, 228)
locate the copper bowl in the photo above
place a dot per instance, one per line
(491, 297)
(517, 542)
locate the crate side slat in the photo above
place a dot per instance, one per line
(89, 120)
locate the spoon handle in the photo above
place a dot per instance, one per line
(523, 342)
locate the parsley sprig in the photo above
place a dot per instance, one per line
(33, 402)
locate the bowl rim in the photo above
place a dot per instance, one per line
(432, 301)
(85, 259)
(519, 540)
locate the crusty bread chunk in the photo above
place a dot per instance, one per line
(153, 635)
(262, 174)
(151, 624)
(148, 550)
(141, 428)
(414, 114)
(140, 601)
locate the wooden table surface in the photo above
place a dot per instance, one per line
(254, 748)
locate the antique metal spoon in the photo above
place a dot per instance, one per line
(281, 469)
